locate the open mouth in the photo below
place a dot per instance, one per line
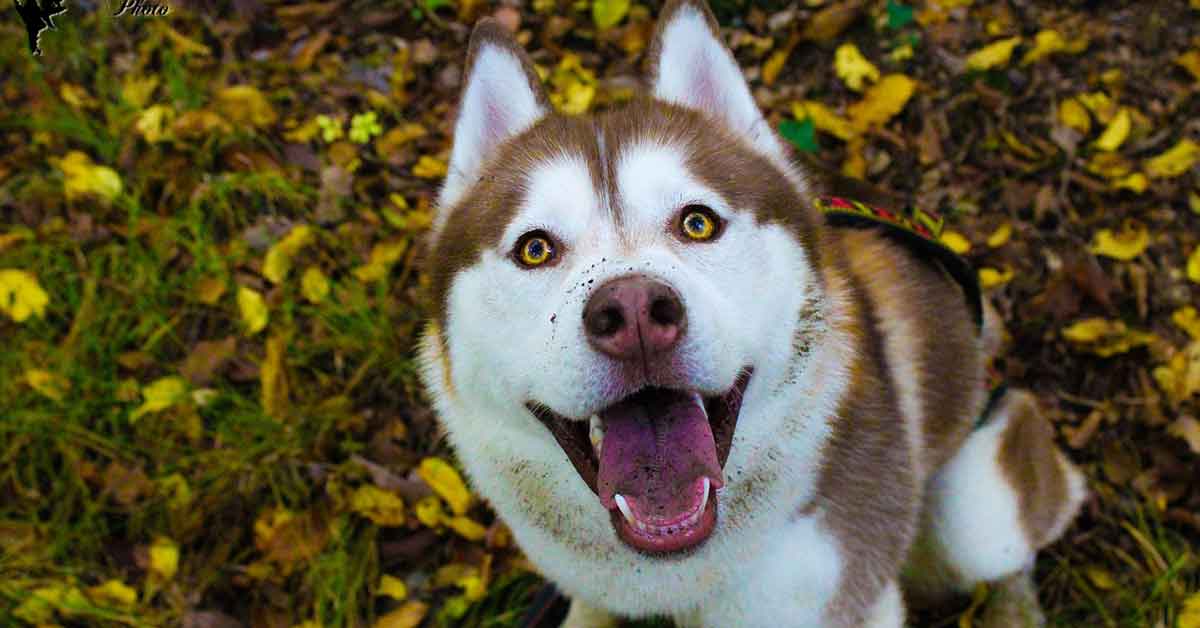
(655, 460)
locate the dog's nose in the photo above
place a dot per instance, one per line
(634, 318)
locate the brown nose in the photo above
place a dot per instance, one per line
(634, 318)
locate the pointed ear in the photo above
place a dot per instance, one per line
(691, 66)
(501, 98)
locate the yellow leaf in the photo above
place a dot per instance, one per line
(1136, 182)
(274, 379)
(1190, 61)
(1100, 578)
(1045, 43)
(245, 104)
(774, 65)
(391, 141)
(160, 395)
(185, 45)
(408, 616)
(609, 13)
(279, 257)
(1188, 429)
(40, 605)
(1104, 337)
(1188, 321)
(1179, 378)
(429, 511)
(990, 277)
(824, 119)
(392, 587)
(853, 68)
(383, 255)
(18, 234)
(1100, 105)
(49, 385)
(1175, 161)
(82, 177)
(473, 586)
(855, 165)
(994, 54)
(572, 86)
(429, 168)
(1193, 265)
(956, 241)
(382, 507)
(1128, 243)
(21, 296)
(1001, 235)
(314, 285)
(881, 102)
(113, 593)
(137, 90)
(253, 308)
(209, 290)
(1073, 114)
(447, 483)
(1117, 131)
(154, 122)
(1193, 203)
(164, 558)
(466, 528)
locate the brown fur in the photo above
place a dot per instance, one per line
(1032, 465)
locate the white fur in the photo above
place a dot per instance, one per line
(975, 513)
(497, 104)
(888, 611)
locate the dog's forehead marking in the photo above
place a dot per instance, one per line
(561, 196)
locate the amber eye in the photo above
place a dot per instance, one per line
(534, 249)
(698, 223)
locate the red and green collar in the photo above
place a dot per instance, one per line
(920, 230)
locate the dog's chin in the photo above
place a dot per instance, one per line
(655, 459)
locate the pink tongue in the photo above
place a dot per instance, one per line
(657, 444)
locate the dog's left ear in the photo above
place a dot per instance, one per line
(691, 66)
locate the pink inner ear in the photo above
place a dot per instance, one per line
(708, 97)
(495, 124)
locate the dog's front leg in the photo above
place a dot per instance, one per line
(581, 615)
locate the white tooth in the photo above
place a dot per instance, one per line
(700, 402)
(704, 500)
(624, 507)
(596, 433)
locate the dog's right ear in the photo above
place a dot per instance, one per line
(502, 97)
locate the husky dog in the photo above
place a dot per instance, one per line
(686, 393)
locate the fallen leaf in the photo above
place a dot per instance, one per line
(82, 177)
(1100, 105)
(1045, 43)
(1124, 245)
(245, 105)
(992, 55)
(384, 508)
(21, 296)
(447, 483)
(991, 278)
(1136, 182)
(160, 395)
(364, 126)
(113, 593)
(853, 68)
(956, 241)
(137, 90)
(408, 616)
(466, 528)
(881, 102)
(392, 587)
(1073, 114)
(209, 290)
(823, 118)
(774, 65)
(253, 309)
(1175, 161)
(49, 385)
(314, 285)
(278, 262)
(1190, 61)
(1193, 266)
(1116, 132)
(429, 168)
(154, 123)
(429, 511)
(1187, 428)
(1179, 378)
(609, 13)
(383, 256)
(1188, 320)
(572, 86)
(164, 559)
(1104, 337)
(800, 133)
(1001, 235)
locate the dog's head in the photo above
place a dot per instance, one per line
(625, 312)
